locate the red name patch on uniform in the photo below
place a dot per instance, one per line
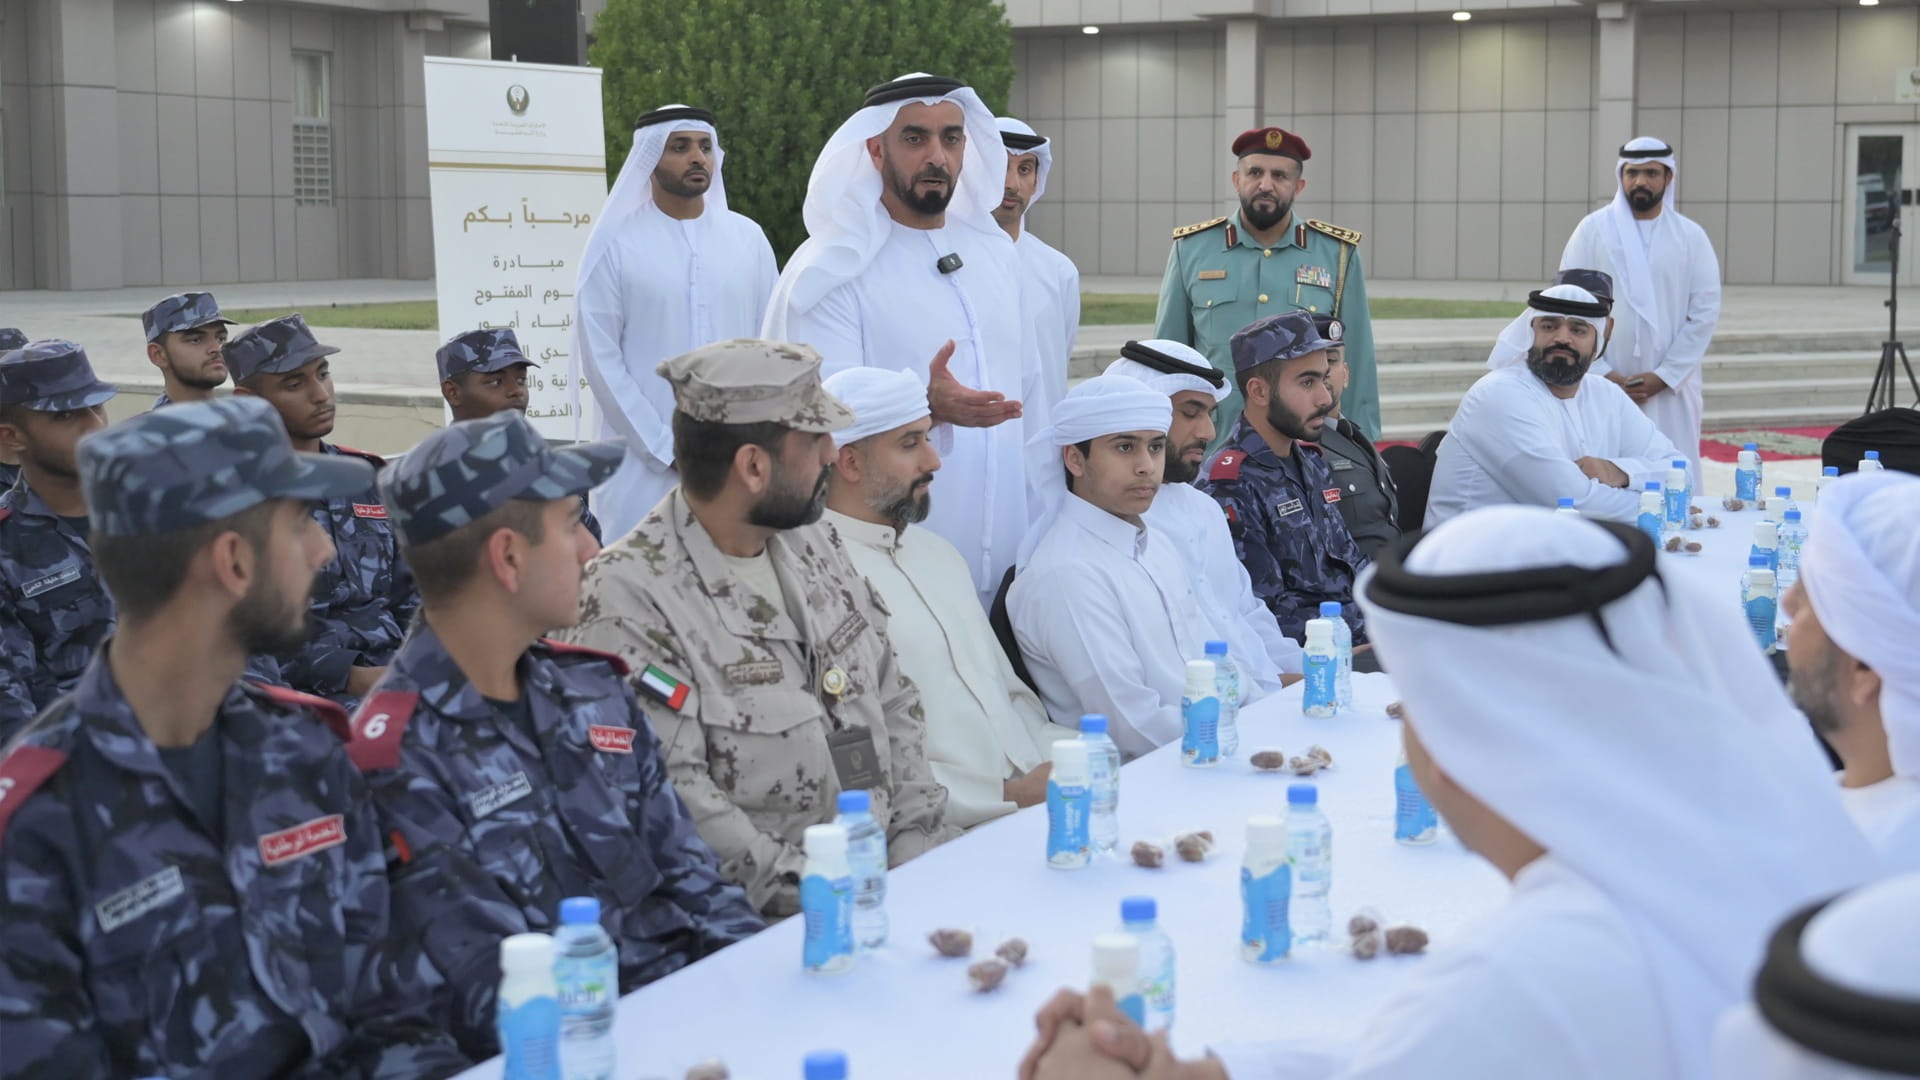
(611, 740)
(1226, 466)
(1332, 495)
(302, 840)
(370, 510)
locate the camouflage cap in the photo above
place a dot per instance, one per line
(467, 469)
(1277, 337)
(51, 376)
(749, 381)
(181, 311)
(11, 339)
(480, 350)
(273, 348)
(183, 466)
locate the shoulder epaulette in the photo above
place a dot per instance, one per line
(329, 712)
(5, 513)
(1189, 230)
(1227, 465)
(561, 648)
(380, 462)
(377, 727)
(1340, 233)
(21, 774)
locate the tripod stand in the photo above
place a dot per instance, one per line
(1881, 395)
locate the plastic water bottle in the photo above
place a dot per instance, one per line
(1793, 535)
(1266, 893)
(824, 1065)
(1679, 492)
(586, 968)
(1746, 473)
(1310, 848)
(1069, 806)
(1322, 665)
(1870, 462)
(528, 1009)
(1200, 716)
(1414, 822)
(1653, 512)
(1227, 687)
(1827, 476)
(1781, 502)
(1116, 966)
(1566, 506)
(1760, 597)
(826, 901)
(1103, 772)
(1138, 916)
(1766, 544)
(867, 858)
(1342, 652)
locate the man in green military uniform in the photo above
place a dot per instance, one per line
(1225, 273)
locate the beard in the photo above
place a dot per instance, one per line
(902, 507)
(1813, 693)
(1292, 424)
(1262, 218)
(1642, 199)
(930, 203)
(786, 506)
(684, 186)
(1177, 470)
(196, 379)
(266, 623)
(1555, 372)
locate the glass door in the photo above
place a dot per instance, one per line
(1883, 169)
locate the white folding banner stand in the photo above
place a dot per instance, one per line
(517, 169)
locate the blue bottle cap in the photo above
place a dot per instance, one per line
(1139, 909)
(1873, 455)
(1216, 648)
(1750, 446)
(1831, 470)
(1679, 463)
(1093, 724)
(1566, 501)
(1759, 561)
(1653, 485)
(579, 911)
(1302, 795)
(1330, 609)
(1784, 492)
(1793, 515)
(855, 802)
(824, 1065)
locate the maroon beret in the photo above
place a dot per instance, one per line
(1271, 140)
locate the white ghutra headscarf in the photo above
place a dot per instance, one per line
(1514, 342)
(1103, 405)
(1043, 153)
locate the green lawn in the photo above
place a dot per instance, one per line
(1108, 309)
(403, 315)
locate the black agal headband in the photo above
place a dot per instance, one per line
(1159, 361)
(676, 112)
(1014, 140)
(1649, 152)
(1539, 301)
(1512, 597)
(1829, 1019)
(921, 86)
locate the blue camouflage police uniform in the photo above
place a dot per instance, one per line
(53, 611)
(143, 934)
(11, 338)
(181, 311)
(495, 814)
(483, 352)
(1283, 512)
(364, 598)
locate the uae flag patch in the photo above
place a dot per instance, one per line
(663, 688)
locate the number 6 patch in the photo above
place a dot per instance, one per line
(378, 726)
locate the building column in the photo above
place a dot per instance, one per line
(1246, 81)
(74, 153)
(1613, 113)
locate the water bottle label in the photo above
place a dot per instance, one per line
(1068, 838)
(530, 1040)
(1312, 864)
(1265, 932)
(1135, 1008)
(585, 985)
(1413, 815)
(1772, 555)
(1200, 734)
(1761, 613)
(1321, 671)
(827, 906)
(1651, 524)
(1676, 507)
(1746, 484)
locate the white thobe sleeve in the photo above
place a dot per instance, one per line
(1283, 654)
(602, 312)
(1586, 250)
(1521, 451)
(1070, 302)
(1690, 340)
(768, 275)
(1645, 451)
(1073, 623)
(832, 327)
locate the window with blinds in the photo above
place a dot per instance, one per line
(312, 131)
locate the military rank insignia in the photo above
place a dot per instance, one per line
(1314, 275)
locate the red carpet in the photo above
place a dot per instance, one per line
(1775, 444)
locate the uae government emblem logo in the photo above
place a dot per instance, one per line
(517, 99)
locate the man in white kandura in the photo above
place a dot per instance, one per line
(905, 268)
(1103, 608)
(1666, 282)
(1192, 520)
(1854, 651)
(1655, 832)
(1550, 429)
(988, 737)
(667, 269)
(1050, 280)
(1838, 997)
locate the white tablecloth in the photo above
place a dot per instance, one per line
(908, 1014)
